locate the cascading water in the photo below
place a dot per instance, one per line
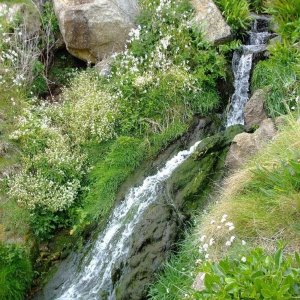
(113, 244)
(242, 65)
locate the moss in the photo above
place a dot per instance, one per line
(195, 178)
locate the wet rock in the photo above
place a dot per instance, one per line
(164, 221)
(254, 112)
(245, 145)
(198, 284)
(94, 29)
(210, 20)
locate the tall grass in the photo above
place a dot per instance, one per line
(280, 75)
(236, 13)
(15, 272)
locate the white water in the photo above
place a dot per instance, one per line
(242, 65)
(113, 244)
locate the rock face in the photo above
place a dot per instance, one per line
(211, 22)
(94, 29)
(246, 145)
(254, 109)
(163, 221)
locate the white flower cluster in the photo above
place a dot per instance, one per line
(206, 242)
(88, 113)
(35, 190)
(51, 173)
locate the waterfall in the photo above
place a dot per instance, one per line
(242, 65)
(113, 244)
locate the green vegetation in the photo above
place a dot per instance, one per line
(280, 74)
(236, 13)
(15, 272)
(256, 275)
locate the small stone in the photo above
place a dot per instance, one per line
(198, 284)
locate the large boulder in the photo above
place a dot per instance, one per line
(94, 29)
(254, 110)
(211, 22)
(245, 145)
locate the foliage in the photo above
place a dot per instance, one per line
(88, 113)
(253, 276)
(258, 6)
(286, 14)
(280, 74)
(15, 272)
(236, 13)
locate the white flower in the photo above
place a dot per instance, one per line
(232, 238)
(224, 217)
(206, 256)
(229, 224)
(243, 243)
(205, 247)
(231, 228)
(203, 237)
(211, 241)
(212, 222)
(243, 259)
(228, 243)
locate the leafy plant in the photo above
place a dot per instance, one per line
(15, 272)
(286, 14)
(254, 276)
(236, 13)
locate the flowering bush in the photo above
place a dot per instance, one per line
(167, 65)
(88, 111)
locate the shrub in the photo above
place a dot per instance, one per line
(254, 276)
(236, 13)
(15, 272)
(167, 70)
(88, 111)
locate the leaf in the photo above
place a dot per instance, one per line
(278, 258)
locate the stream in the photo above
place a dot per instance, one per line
(91, 277)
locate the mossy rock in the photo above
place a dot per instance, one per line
(191, 183)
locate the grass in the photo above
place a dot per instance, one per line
(262, 200)
(15, 272)
(236, 13)
(280, 75)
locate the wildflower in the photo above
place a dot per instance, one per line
(243, 259)
(229, 224)
(231, 228)
(205, 247)
(203, 237)
(211, 241)
(212, 222)
(224, 217)
(232, 238)
(228, 243)
(243, 243)
(206, 256)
